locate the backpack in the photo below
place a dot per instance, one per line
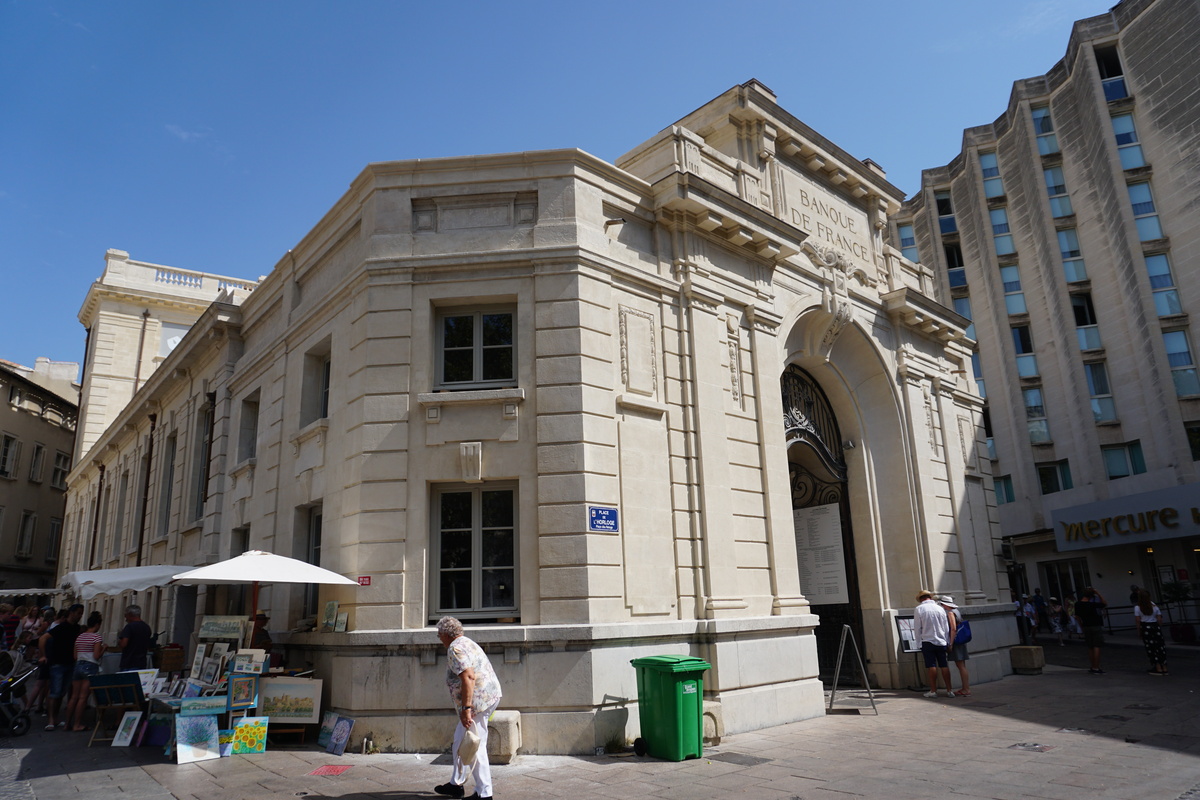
(963, 634)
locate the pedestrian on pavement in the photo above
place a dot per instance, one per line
(475, 692)
(1029, 611)
(1058, 619)
(1134, 592)
(1149, 622)
(58, 649)
(89, 647)
(31, 621)
(1039, 603)
(956, 652)
(134, 639)
(1091, 621)
(1073, 628)
(931, 628)
(41, 688)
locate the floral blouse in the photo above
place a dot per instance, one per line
(461, 655)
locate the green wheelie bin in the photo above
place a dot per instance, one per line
(670, 706)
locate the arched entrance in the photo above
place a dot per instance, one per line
(821, 515)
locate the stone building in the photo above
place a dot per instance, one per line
(37, 432)
(690, 402)
(1067, 231)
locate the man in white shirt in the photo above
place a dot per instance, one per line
(932, 629)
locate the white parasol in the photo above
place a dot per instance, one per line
(259, 566)
(89, 583)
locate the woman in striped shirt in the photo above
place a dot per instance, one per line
(89, 647)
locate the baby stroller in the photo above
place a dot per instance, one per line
(14, 716)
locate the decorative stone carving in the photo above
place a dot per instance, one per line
(837, 261)
(470, 457)
(639, 356)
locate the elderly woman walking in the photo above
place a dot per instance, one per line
(475, 692)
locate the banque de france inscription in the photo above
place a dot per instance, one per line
(827, 219)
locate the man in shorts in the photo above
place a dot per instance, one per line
(1088, 612)
(58, 651)
(931, 628)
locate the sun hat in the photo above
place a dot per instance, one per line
(947, 600)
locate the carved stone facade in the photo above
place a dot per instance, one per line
(553, 408)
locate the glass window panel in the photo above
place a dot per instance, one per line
(999, 217)
(993, 187)
(1075, 270)
(458, 366)
(497, 363)
(1089, 337)
(957, 277)
(1047, 144)
(1114, 89)
(1061, 207)
(1033, 403)
(944, 207)
(947, 225)
(458, 331)
(1193, 435)
(1039, 431)
(989, 165)
(1148, 228)
(1022, 341)
(1010, 276)
(1166, 303)
(498, 548)
(1097, 378)
(497, 508)
(456, 511)
(1027, 366)
(456, 549)
(962, 305)
(1068, 243)
(1141, 198)
(1085, 313)
(1187, 383)
(498, 588)
(1048, 477)
(1042, 123)
(1158, 267)
(1124, 129)
(1136, 462)
(1004, 245)
(455, 590)
(497, 329)
(1131, 156)
(907, 237)
(1116, 465)
(1055, 182)
(1103, 409)
(1015, 303)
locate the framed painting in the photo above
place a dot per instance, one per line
(331, 612)
(290, 699)
(198, 660)
(219, 650)
(196, 739)
(250, 735)
(222, 628)
(127, 728)
(212, 668)
(340, 737)
(243, 691)
(326, 732)
(342, 619)
(203, 706)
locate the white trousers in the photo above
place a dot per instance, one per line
(481, 770)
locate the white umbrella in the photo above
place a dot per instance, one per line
(89, 583)
(259, 566)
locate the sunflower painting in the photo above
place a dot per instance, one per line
(250, 735)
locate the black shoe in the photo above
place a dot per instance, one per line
(449, 790)
(1096, 671)
(477, 797)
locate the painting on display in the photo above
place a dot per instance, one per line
(341, 735)
(222, 627)
(243, 691)
(249, 661)
(196, 739)
(225, 741)
(342, 620)
(212, 667)
(203, 706)
(198, 660)
(127, 728)
(250, 735)
(290, 699)
(331, 612)
(326, 732)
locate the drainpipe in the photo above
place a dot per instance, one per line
(141, 537)
(137, 367)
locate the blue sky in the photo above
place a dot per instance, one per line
(213, 135)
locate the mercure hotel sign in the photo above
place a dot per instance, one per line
(1164, 514)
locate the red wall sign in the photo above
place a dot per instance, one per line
(364, 580)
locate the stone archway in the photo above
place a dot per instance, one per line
(821, 514)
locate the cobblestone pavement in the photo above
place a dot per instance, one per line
(1063, 734)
